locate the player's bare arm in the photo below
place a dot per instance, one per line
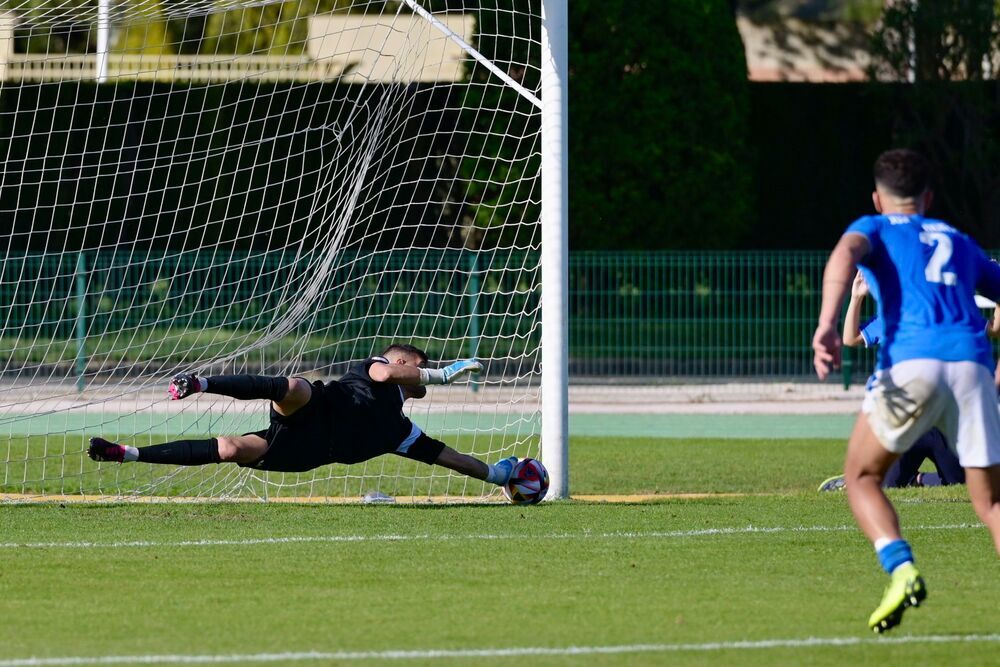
(409, 372)
(993, 325)
(463, 463)
(852, 320)
(400, 370)
(837, 279)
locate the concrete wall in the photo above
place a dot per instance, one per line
(391, 48)
(791, 49)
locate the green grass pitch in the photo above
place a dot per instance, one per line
(776, 577)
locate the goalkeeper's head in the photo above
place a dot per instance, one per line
(902, 182)
(408, 354)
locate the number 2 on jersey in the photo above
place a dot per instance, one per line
(934, 271)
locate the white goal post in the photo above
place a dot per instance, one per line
(555, 245)
(254, 187)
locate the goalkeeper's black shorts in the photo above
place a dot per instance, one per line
(301, 441)
(332, 428)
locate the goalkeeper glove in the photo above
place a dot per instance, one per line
(450, 373)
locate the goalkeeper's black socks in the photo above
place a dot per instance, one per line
(181, 453)
(248, 387)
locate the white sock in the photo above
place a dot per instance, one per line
(202, 384)
(881, 542)
(131, 453)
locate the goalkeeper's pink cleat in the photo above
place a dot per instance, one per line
(183, 385)
(102, 450)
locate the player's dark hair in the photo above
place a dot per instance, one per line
(408, 349)
(902, 172)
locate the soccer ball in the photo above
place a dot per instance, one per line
(528, 483)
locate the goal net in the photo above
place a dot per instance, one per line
(279, 188)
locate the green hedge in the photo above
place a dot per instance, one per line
(658, 125)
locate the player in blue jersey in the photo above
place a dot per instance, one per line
(935, 367)
(905, 471)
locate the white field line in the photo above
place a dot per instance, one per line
(431, 654)
(586, 535)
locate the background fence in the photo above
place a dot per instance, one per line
(646, 315)
(744, 315)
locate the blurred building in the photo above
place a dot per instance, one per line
(410, 49)
(807, 40)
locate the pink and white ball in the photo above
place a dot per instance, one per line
(528, 483)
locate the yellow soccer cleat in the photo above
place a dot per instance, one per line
(907, 589)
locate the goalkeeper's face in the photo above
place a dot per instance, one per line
(406, 359)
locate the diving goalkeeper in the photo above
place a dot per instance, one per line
(350, 420)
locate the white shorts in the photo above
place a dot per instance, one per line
(958, 397)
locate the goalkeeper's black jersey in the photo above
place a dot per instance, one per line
(370, 419)
(349, 420)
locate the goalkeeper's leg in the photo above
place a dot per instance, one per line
(288, 394)
(224, 449)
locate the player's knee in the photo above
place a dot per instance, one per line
(229, 449)
(856, 471)
(852, 469)
(987, 509)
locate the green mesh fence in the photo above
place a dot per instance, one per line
(632, 314)
(694, 314)
(112, 312)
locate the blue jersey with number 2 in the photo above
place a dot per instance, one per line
(924, 274)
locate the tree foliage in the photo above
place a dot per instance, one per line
(658, 109)
(150, 37)
(166, 26)
(276, 29)
(950, 50)
(497, 178)
(945, 40)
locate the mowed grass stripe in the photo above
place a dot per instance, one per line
(600, 466)
(604, 590)
(524, 651)
(493, 499)
(314, 539)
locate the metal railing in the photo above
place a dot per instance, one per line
(744, 315)
(180, 68)
(115, 312)
(693, 314)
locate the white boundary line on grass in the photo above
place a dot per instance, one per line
(431, 654)
(586, 535)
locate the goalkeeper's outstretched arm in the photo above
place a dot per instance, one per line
(434, 452)
(406, 367)
(415, 376)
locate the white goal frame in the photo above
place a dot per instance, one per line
(555, 246)
(120, 387)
